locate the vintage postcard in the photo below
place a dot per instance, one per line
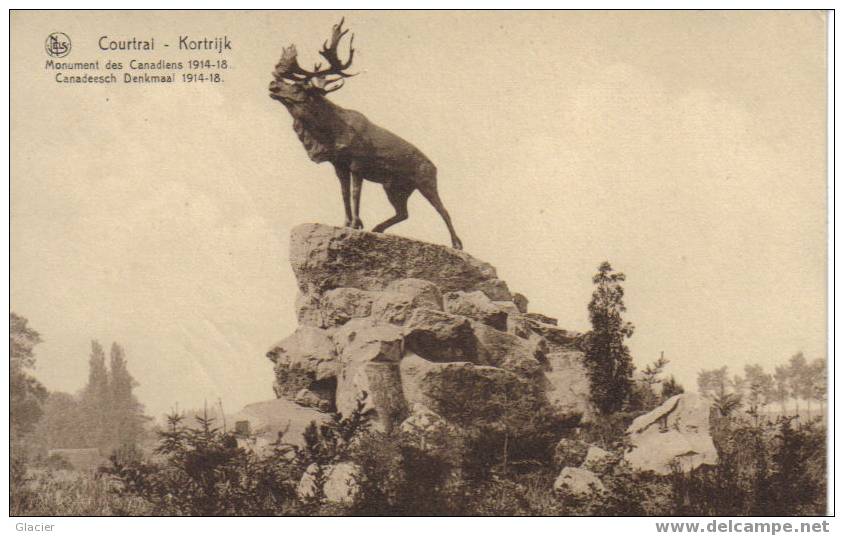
(419, 263)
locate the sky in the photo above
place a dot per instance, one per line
(686, 148)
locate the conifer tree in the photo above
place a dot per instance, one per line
(607, 358)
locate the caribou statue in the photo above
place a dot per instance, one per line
(357, 148)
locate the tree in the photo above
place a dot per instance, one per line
(607, 358)
(26, 394)
(781, 391)
(760, 387)
(125, 412)
(716, 385)
(817, 382)
(739, 385)
(671, 387)
(22, 342)
(646, 396)
(713, 383)
(798, 379)
(62, 423)
(96, 399)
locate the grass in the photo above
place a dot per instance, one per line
(72, 493)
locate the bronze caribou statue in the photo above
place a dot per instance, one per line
(356, 147)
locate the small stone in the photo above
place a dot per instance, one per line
(577, 482)
(521, 302)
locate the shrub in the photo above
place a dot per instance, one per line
(202, 471)
(765, 468)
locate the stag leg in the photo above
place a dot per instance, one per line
(428, 187)
(344, 175)
(357, 185)
(398, 198)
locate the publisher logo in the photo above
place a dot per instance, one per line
(57, 45)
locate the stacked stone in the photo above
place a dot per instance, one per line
(423, 329)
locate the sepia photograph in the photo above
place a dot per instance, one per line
(420, 263)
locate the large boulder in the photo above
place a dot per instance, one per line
(674, 436)
(500, 349)
(440, 336)
(478, 306)
(306, 356)
(529, 325)
(340, 305)
(325, 257)
(460, 391)
(401, 298)
(567, 383)
(369, 356)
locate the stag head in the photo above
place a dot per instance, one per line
(293, 83)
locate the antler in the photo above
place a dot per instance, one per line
(288, 67)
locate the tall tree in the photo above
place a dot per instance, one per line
(126, 421)
(607, 358)
(95, 399)
(26, 394)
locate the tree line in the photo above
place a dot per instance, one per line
(793, 382)
(105, 414)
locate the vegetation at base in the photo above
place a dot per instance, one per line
(771, 468)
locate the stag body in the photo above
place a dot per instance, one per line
(357, 148)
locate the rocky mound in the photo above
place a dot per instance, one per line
(419, 327)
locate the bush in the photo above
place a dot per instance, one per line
(202, 471)
(765, 468)
(40, 491)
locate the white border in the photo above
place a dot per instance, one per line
(402, 526)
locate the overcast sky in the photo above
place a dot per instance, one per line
(688, 149)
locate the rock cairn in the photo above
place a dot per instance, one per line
(423, 329)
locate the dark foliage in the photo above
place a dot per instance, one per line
(203, 471)
(765, 468)
(26, 394)
(607, 358)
